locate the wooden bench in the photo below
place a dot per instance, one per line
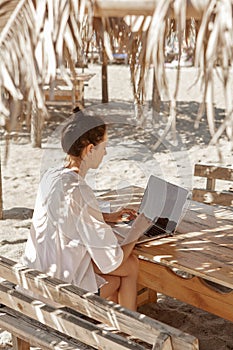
(61, 92)
(77, 318)
(210, 195)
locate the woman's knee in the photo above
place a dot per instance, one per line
(112, 285)
(116, 282)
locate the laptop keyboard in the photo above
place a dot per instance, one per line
(155, 231)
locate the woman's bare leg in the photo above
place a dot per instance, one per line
(127, 290)
(109, 290)
(127, 295)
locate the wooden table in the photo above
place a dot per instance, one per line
(202, 249)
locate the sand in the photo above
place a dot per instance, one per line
(131, 158)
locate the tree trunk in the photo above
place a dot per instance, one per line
(104, 76)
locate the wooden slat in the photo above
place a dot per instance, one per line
(213, 172)
(19, 344)
(145, 296)
(163, 343)
(121, 8)
(196, 262)
(210, 184)
(213, 197)
(200, 216)
(29, 331)
(144, 328)
(63, 321)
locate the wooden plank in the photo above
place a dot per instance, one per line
(63, 321)
(144, 328)
(192, 291)
(145, 296)
(122, 8)
(19, 344)
(104, 75)
(197, 263)
(212, 197)
(85, 77)
(33, 332)
(163, 343)
(213, 172)
(62, 96)
(200, 217)
(210, 184)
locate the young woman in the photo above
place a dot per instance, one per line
(70, 238)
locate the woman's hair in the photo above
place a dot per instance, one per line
(80, 131)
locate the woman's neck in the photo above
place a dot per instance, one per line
(78, 165)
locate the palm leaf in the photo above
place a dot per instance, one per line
(44, 35)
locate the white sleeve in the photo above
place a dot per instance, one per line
(97, 237)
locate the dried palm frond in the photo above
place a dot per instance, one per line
(213, 44)
(41, 36)
(38, 38)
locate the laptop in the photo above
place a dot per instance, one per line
(159, 213)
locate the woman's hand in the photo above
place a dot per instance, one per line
(125, 214)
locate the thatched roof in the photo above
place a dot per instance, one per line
(37, 37)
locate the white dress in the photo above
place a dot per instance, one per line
(68, 232)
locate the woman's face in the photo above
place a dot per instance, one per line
(98, 152)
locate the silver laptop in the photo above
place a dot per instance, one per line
(159, 213)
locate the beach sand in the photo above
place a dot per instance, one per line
(131, 158)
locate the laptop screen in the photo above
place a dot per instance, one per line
(163, 203)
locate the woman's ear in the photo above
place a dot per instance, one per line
(89, 148)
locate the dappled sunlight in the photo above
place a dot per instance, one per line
(202, 216)
(159, 258)
(202, 246)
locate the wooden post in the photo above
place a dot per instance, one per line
(35, 127)
(104, 76)
(1, 200)
(19, 344)
(156, 100)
